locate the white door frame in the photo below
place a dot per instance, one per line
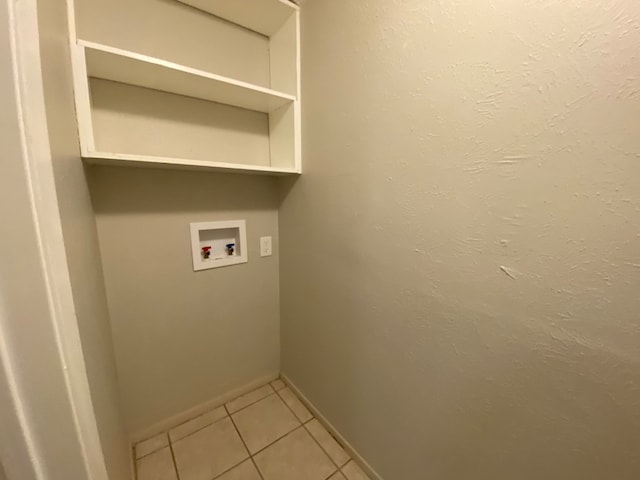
(49, 430)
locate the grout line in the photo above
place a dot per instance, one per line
(321, 448)
(224, 405)
(208, 424)
(304, 425)
(135, 462)
(331, 475)
(251, 455)
(196, 430)
(173, 457)
(229, 415)
(273, 390)
(281, 381)
(148, 438)
(170, 442)
(255, 465)
(291, 409)
(153, 451)
(355, 457)
(210, 407)
(230, 468)
(241, 461)
(217, 421)
(276, 440)
(197, 416)
(281, 436)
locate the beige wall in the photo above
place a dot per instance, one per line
(148, 122)
(183, 337)
(173, 31)
(80, 237)
(460, 268)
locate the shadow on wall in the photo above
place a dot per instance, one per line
(139, 190)
(124, 101)
(285, 185)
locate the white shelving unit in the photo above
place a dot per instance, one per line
(263, 16)
(276, 19)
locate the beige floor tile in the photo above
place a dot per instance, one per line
(353, 472)
(264, 422)
(157, 466)
(327, 442)
(278, 384)
(337, 476)
(197, 423)
(209, 452)
(152, 444)
(295, 405)
(245, 471)
(249, 398)
(294, 457)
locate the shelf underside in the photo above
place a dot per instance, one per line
(262, 16)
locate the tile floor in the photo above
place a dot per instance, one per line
(267, 434)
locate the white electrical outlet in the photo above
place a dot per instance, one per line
(265, 246)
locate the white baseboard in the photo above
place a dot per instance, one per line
(182, 417)
(373, 475)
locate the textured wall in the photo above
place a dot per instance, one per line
(182, 337)
(81, 238)
(461, 258)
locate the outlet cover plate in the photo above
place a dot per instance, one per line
(266, 247)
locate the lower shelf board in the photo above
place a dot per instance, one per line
(134, 160)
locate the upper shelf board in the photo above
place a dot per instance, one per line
(262, 16)
(122, 66)
(151, 161)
